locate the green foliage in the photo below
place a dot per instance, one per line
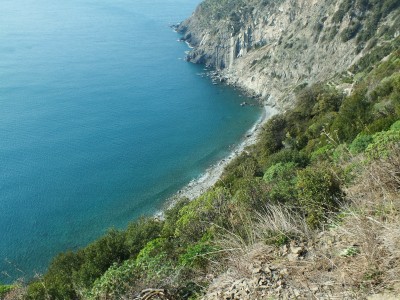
(59, 278)
(141, 231)
(353, 116)
(395, 126)
(279, 171)
(318, 192)
(360, 143)
(114, 283)
(171, 216)
(282, 178)
(99, 256)
(196, 217)
(249, 194)
(276, 238)
(273, 135)
(344, 7)
(4, 289)
(36, 291)
(374, 56)
(286, 156)
(196, 255)
(384, 143)
(322, 153)
(153, 260)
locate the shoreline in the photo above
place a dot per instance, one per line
(213, 173)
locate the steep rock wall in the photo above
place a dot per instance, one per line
(270, 47)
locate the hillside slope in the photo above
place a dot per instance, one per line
(312, 210)
(271, 47)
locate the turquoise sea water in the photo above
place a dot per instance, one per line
(100, 121)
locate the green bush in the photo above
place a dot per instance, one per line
(280, 171)
(281, 178)
(322, 153)
(153, 261)
(59, 278)
(318, 193)
(196, 217)
(140, 232)
(384, 143)
(115, 282)
(395, 126)
(353, 116)
(36, 291)
(171, 216)
(196, 255)
(4, 289)
(286, 156)
(98, 257)
(249, 194)
(360, 143)
(273, 135)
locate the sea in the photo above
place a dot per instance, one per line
(101, 121)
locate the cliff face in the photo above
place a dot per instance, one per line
(270, 47)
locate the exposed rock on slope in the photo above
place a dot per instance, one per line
(271, 47)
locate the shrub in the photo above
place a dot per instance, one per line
(288, 155)
(360, 143)
(140, 232)
(322, 153)
(273, 135)
(98, 257)
(281, 178)
(195, 255)
(383, 142)
(249, 194)
(115, 281)
(171, 216)
(318, 193)
(153, 262)
(395, 126)
(196, 217)
(4, 289)
(36, 290)
(59, 281)
(353, 116)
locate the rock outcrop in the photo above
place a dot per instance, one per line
(272, 47)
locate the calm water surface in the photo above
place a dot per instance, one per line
(100, 121)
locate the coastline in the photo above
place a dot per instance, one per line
(212, 174)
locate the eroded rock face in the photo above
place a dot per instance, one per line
(270, 47)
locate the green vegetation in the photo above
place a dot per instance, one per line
(4, 289)
(365, 18)
(303, 160)
(296, 162)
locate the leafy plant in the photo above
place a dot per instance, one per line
(319, 192)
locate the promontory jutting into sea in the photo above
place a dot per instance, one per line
(101, 120)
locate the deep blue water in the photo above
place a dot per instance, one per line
(100, 121)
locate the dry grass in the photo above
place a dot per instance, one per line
(252, 241)
(285, 221)
(373, 226)
(368, 229)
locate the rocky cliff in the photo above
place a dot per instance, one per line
(272, 47)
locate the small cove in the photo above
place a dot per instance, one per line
(101, 120)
